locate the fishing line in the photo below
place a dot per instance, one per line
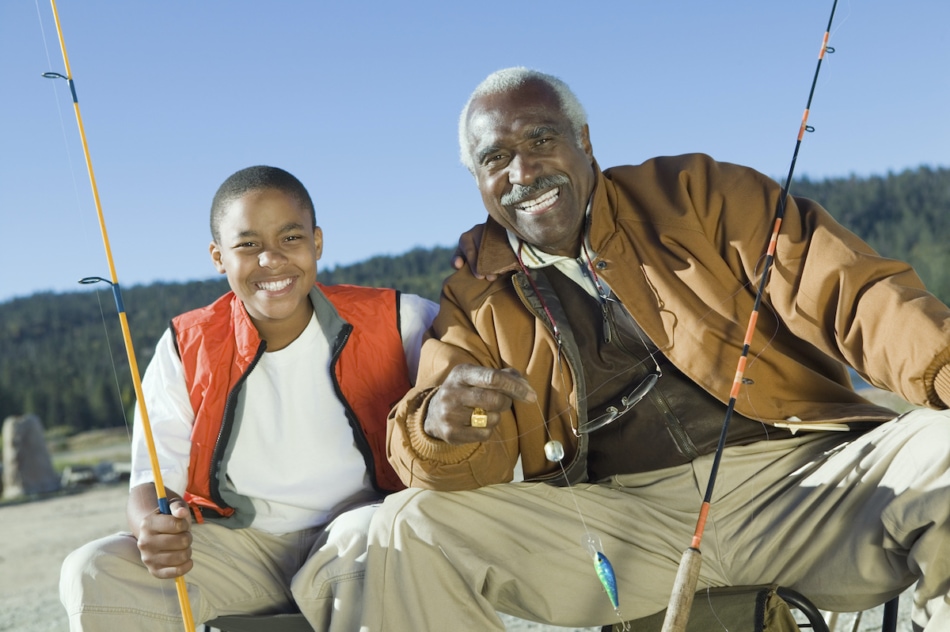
(554, 452)
(115, 372)
(82, 226)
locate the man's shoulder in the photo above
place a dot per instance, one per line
(664, 174)
(679, 162)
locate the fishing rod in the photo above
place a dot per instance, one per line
(163, 504)
(687, 575)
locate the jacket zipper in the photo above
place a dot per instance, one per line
(580, 455)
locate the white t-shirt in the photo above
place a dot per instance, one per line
(294, 455)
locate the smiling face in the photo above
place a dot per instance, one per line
(268, 247)
(534, 174)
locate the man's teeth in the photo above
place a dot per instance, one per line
(547, 198)
(274, 286)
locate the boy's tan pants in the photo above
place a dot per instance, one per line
(105, 587)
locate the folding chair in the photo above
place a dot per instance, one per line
(734, 608)
(260, 623)
(767, 608)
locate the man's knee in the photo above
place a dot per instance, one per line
(927, 439)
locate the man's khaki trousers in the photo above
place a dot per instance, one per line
(848, 525)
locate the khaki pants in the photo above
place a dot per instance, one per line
(849, 526)
(105, 587)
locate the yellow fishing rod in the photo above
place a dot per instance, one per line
(163, 504)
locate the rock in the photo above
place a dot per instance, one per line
(27, 466)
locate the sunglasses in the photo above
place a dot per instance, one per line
(627, 402)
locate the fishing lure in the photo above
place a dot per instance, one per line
(605, 570)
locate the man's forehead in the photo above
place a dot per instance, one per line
(491, 119)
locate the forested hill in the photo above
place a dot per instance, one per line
(62, 355)
(905, 216)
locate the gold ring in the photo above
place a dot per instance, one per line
(479, 418)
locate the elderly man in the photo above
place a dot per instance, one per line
(595, 351)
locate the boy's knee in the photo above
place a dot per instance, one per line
(399, 511)
(83, 568)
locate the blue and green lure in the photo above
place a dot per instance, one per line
(605, 573)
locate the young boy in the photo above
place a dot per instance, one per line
(268, 409)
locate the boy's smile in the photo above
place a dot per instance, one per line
(269, 250)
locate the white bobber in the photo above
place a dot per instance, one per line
(554, 451)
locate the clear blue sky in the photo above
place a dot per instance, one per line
(360, 100)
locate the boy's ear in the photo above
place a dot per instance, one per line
(215, 252)
(318, 241)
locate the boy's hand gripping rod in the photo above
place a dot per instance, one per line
(163, 504)
(687, 576)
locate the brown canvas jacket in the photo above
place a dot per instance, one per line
(680, 240)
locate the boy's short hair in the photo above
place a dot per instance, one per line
(254, 179)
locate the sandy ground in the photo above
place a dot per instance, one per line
(37, 535)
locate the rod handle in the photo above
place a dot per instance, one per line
(684, 587)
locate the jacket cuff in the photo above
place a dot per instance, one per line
(429, 448)
(942, 385)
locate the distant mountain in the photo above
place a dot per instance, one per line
(62, 355)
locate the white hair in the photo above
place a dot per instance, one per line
(509, 79)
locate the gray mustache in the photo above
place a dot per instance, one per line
(519, 193)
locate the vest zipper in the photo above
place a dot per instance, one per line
(358, 435)
(224, 433)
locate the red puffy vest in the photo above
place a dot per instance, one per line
(219, 346)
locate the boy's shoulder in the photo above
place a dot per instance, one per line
(202, 315)
(356, 292)
(346, 298)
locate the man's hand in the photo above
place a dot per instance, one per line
(467, 252)
(164, 540)
(468, 387)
